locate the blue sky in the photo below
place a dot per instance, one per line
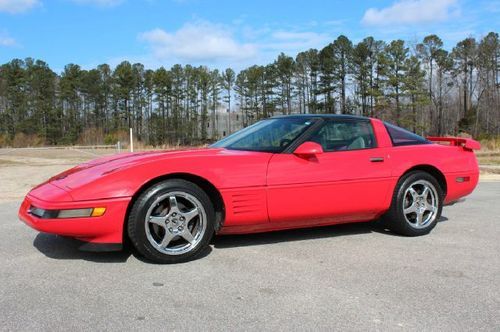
(221, 33)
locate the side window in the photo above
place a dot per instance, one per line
(400, 136)
(345, 135)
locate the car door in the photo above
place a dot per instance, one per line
(349, 181)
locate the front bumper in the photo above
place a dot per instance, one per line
(107, 229)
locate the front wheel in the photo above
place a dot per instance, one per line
(171, 222)
(416, 205)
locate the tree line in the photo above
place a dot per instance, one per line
(421, 86)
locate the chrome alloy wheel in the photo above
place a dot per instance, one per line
(420, 204)
(175, 223)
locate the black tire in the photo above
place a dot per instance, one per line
(396, 220)
(136, 225)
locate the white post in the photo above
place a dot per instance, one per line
(119, 146)
(131, 141)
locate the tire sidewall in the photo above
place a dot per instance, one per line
(136, 221)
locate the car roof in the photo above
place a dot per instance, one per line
(323, 116)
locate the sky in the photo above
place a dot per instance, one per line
(222, 33)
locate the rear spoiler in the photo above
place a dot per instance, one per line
(466, 143)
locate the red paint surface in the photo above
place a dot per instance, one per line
(261, 191)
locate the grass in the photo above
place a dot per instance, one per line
(488, 157)
(4, 162)
(490, 144)
(490, 152)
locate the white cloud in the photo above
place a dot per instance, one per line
(6, 40)
(237, 45)
(411, 12)
(289, 35)
(17, 6)
(297, 41)
(198, 41)
(99, 3)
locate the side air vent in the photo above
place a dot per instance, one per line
(250, 202)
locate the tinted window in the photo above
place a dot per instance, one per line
(400, 136)
(272, 135)
(345, 135)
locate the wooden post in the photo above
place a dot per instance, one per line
(131, 141)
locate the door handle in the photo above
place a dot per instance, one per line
(377, 159)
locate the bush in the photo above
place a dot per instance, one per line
(22, 140)
(114, 137)
(491, 144)
(91, 136)
(4, 141)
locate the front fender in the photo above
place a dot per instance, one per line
(223, 170)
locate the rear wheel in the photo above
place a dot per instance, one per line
(171, 222)
(416, 205)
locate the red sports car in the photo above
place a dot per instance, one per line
(280, 173)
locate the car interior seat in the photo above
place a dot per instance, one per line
(358, 143)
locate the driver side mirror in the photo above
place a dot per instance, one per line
(308, 149)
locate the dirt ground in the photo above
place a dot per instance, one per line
(22, 169)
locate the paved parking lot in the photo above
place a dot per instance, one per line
(349, 277)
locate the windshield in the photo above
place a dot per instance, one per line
(271, 135)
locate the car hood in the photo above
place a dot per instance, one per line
(97, 168)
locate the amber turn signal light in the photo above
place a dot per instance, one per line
(98, 212)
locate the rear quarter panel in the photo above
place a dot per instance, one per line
(453, 161)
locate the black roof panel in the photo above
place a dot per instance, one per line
(325, 116)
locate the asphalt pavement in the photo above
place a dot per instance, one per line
(346, 277)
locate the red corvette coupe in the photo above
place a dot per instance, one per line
(285, 172)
